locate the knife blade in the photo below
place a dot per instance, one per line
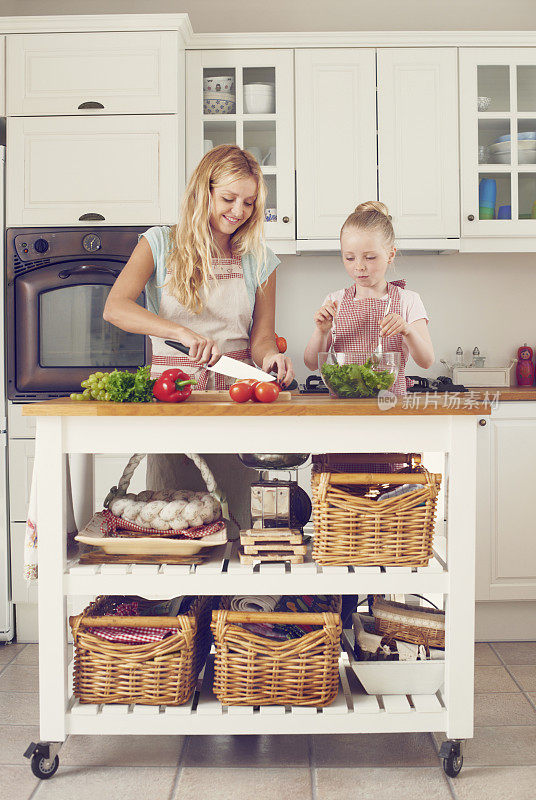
(230, 367)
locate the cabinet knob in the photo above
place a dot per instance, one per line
(91, 104)
(471, 217)
(286, 219)
(482, 422)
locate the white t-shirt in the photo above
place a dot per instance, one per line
(412, 307)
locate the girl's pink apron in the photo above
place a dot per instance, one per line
(357, 328)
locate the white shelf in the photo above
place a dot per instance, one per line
(228, 576)
(351, 712)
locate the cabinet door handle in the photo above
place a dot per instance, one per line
(471, 217)
(482, 422)
(90, 104)
(286, 219)
(91, 218)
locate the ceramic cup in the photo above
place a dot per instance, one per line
(208, 144)
(269, 158)
(255, 152)
(270, 214)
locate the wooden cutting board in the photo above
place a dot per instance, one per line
(222, 396)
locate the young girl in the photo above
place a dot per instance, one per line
(210, 283)
(352, 320)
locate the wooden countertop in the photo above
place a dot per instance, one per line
(299, 405)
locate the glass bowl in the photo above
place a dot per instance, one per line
(351, 375)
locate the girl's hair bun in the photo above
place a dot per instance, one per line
(372, 205)
(372, 216)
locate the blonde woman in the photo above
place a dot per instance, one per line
(210, 284)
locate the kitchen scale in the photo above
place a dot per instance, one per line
(277, 503)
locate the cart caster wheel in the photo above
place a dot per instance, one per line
(453, 764)
(43, 768)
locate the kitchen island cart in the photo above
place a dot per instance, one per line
(317, 425)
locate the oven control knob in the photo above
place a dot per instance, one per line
(41, 245)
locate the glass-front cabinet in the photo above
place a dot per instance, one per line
(498, 141)
(245, 97)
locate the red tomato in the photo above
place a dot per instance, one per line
(267, 392)
(241, 392)
(281, 343)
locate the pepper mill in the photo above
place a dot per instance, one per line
(525, 366)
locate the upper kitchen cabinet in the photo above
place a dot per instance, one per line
(335, 138)
(107, 170)
(246, 98)
(93, 73)
(498, 143)
(418, 141)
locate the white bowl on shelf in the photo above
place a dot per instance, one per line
(259, 98)
(219, 83)
(218, 103)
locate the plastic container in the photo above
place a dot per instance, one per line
(504, 212)
(487, 193)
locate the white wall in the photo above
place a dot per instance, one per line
(484, 300)
(305, 15)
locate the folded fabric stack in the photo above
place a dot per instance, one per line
(312, 604)
(118, 527)
(132, 606)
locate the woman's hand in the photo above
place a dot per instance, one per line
(203, 351)
(280, 363)
(392, 324)
(325, 316)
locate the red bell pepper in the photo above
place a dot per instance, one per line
(173, 386)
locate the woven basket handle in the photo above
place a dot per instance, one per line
(277, 616)
(376, 477)
(137, 458)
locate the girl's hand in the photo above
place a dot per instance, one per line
(392, 324)
(280, 363)
(202, 351)
(324, 317)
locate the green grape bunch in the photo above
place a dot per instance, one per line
(94, 387)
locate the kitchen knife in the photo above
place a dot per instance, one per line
(229, 366)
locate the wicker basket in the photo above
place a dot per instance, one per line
(253, 670)
(353, 529)
(417, 625)
(157, 673)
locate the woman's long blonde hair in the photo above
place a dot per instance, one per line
(189, 263)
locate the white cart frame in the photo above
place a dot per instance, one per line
(451, 574)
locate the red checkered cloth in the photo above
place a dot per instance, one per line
(131, 635)
(117, 526)
(201, 375)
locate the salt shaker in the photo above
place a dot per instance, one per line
(478, 360)
(459, 357)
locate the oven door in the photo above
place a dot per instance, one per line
(60, 335)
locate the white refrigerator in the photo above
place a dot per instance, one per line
(6, 606)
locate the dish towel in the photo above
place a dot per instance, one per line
(30, 538)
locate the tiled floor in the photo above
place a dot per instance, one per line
(499, 763)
